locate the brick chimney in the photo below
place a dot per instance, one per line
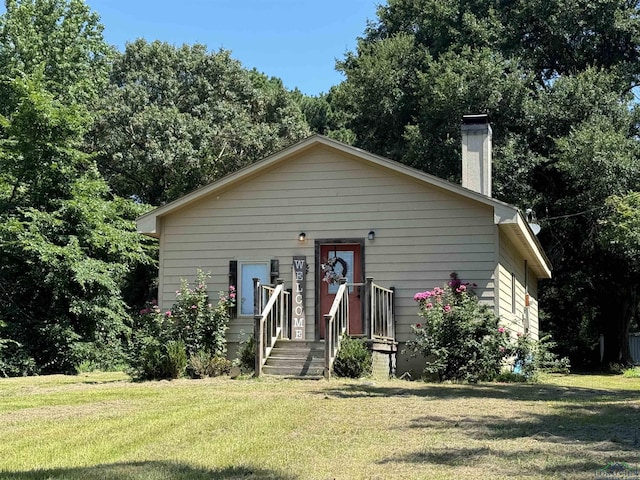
(476, 153)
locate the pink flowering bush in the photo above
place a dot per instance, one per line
(459, 337)
(193, 322)
(196, 321)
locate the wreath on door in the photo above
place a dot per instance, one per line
(331, 275)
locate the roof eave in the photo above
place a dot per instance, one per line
(268, 162)
(505, 215)
(520, 233)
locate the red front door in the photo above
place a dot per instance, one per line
(349, 259)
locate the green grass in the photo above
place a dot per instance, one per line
(102, 426)
(632, 372)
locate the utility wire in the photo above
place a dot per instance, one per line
(629, 195)
(569, 215)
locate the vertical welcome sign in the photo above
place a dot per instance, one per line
(298, 319)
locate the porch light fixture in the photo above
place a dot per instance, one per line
(371, 235)
(302, 236)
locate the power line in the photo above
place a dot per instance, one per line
(569, 215)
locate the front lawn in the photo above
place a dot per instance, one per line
(102, 426)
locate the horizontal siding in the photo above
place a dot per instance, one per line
(436, 243)
(351, 202)
(470, 251)
(278, 228)
(511, 262)
(534, 317)
(422, 233)
(409, 269)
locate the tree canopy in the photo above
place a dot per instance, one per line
(176, 118)
(63, 40)
(68, 246)
(557, 80)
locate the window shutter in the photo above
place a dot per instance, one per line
(233, 282)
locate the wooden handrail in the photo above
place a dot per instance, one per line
(380, 311)
(269, 323)
(260, 292)
(336, 324)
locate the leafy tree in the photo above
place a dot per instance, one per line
(67, 245)
(593, 162)
(39, 146)
(622, 226)
(171, 120)
(550, 38)
(176, 118)
(621, 238)
(61, 38)
(322, 117)
(407, 105)
(555, 78)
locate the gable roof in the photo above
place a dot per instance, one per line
(507, 217)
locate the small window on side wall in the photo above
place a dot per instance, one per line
(247, 271)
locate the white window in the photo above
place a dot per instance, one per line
(247, 272)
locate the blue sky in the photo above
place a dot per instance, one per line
(295, 40)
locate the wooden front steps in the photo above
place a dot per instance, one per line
(296, 360)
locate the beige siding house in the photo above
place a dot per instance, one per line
(403, 227)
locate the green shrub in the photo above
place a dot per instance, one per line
(86, 366)
(196, 321)
(150, 363)
(546, 360)
(158, 361)
(97, 355)
(353, 360)
(146, 356)
(198, 364)
(203, 364)
(632, 372)
(164, 342)
(14, 360)
(247, 354)
(511, 377)
(532, 357)
(459, 337)
(524, 357)
(219, 366)
(175, 359)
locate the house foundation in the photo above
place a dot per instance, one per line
(383, 358)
